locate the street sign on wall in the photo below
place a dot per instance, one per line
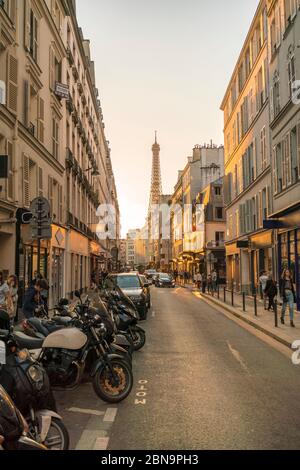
(41, 219)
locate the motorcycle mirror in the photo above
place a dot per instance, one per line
(77, 294)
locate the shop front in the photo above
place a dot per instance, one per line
(78, 263)
(261, 256)
(233, 258)
(57, 264)
(289, 256)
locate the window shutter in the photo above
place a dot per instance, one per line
(275, 176)
(9, 149)
(26, 104)
(26, 193)
(40, 182)
(12, 99)
(272, 103)
(268, 193)
(51, 69)
(41, 118)
(27, 7)
(288, 159)
(60, 202)
(298, 148)
(12, 11)
(257, 211)
(50, 192)
(254, 159)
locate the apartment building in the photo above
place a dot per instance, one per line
(51, 128)
(247, 182)
(203, 167)
(284, 69)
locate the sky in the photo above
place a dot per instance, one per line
(161, 65)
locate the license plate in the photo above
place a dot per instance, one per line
(2, 353)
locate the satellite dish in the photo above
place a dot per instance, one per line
(2, 92)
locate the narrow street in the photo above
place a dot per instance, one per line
(201, 382)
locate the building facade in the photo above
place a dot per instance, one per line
(284, 70)
(247, 183)
(51, 128)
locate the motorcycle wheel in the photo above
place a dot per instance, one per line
(58, 436)
(104, 385)
(139, 339)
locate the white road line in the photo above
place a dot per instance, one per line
(237, 356)
(101, 443)
(110, 415)
(86, 411)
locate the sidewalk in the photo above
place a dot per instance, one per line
(264, 321)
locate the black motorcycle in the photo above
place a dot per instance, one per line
(13, 427)
(27, 383)
(125, 317)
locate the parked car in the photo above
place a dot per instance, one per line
(164, 280)
(150, 274)
(132, 286)
(147, 287)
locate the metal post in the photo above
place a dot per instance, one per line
(232, 297)
(218, 291)
(224, 294)
(276, 313)
(39, 236)
(244, 302)
(255, 304)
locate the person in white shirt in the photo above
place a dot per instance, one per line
(4, 292)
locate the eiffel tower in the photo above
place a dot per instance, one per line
(156, 187)
(155, 194)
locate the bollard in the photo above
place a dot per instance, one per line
(276, 313)
(218, 291)
(232, 297)
(224, 294)
(255, 305)
(244, 302)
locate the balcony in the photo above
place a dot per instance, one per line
(83, 100)
(80, 88)
(70, 104)
(69, 159)
(70, 57)
(80, 127)
(75, 117)
(216, 244)
(75, 73)
(83, 136)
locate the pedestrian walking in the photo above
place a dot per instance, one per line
(12, 283)
(204, 283)
(271, 291)
(209, 283)
(214, 277)
(263, 279)
(4, 293)
(199, 280)
(287, 293)
(33, 298)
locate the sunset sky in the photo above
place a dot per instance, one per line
(165, 65)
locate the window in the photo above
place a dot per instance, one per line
(237, 223)
(290, 10)
(9, 6)
(291, 73)
(263, 149)
(33, 36)
(219, 212)
(230, 226)
(259, 85)
(55, 138)
(294, 157)
(264, 205)
(220, 237)
(218, 190)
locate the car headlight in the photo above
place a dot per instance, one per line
(36, 374)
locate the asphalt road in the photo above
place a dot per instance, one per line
(201, 382)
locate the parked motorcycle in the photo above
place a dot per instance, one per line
(27, 383)
(125, 317)
(13, 427)
(65, 354)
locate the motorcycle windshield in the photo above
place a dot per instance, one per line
(127, 302)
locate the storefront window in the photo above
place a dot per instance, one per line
(292, 254)
(284, 251)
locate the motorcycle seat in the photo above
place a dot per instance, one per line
(27, 342)
(63, 321)
(37, 324)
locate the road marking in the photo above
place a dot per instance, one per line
(110, 415)
(153, 314)
(237, 356)
(101, 443)
(86, 411)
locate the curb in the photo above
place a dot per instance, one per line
(267, 332)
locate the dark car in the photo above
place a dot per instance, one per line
(132, 286)
(147, 287)
(164, 280)
(150, 275)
